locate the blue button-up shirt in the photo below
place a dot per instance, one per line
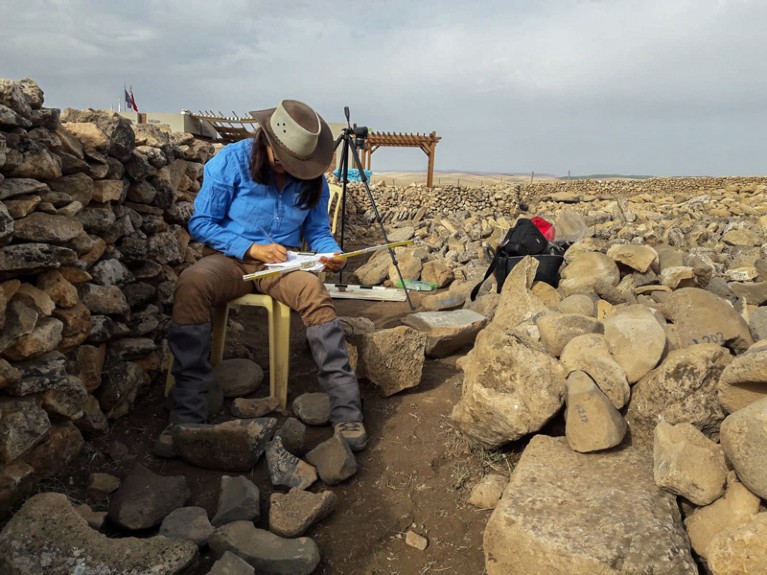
(232, 212)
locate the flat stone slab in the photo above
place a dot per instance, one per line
(446, 331)
(569, 513)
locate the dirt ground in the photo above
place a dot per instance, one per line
(415, 474)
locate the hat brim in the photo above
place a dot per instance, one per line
(312, 167)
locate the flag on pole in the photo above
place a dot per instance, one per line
(133, 100)
(127, 98)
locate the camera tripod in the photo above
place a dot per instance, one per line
(352, 138)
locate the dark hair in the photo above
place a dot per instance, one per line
(260, 170)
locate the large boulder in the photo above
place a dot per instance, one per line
(700, 316)
(567, 513)
(743, 437)
(682, 389)
(636, 340)
(511, 387)
(744, 381)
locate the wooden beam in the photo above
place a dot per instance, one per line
(426, 143)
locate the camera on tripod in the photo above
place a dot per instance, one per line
(360, 134)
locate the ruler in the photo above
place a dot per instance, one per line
(379, 293)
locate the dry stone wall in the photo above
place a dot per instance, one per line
(416, 202)
(92, 237)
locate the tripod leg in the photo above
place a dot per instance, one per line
(343, 172)
(363, 177)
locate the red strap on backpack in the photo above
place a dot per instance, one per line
(546, 228)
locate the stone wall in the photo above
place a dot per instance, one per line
(92, 237)
(401, 203)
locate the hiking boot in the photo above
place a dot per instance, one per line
(164, 446)
(353, 433)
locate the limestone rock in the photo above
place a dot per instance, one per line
(687, 463)
(591, 422)
(742, 549)
(590, 353)
(391, 358)
(639, 258)
(682, 389)
(446, 331)
(517, 303)
(744, 381)
(743, 437)
(636, 340)
(702, 317)
(558, 329)
(511, 387)
(579, 303)
(738, 506)
(586, 270)
(488, 491)
(571, 513)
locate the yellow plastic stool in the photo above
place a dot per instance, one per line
(334, 206)
(279, 342)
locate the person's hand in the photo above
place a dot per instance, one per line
(333, 265)
(268, 253)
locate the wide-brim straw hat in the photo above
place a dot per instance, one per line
(299, 137)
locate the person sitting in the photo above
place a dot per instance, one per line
(260, 197)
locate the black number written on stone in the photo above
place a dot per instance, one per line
(717, 337)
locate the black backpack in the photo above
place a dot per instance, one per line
(524, 239)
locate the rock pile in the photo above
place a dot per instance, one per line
(651, 348)
(656, 353)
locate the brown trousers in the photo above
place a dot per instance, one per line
(216, 279)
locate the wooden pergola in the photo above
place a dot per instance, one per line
(229, 128)
(427, 143)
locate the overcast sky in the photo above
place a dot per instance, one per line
(656, 87)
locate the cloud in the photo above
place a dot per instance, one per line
(642, 86)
